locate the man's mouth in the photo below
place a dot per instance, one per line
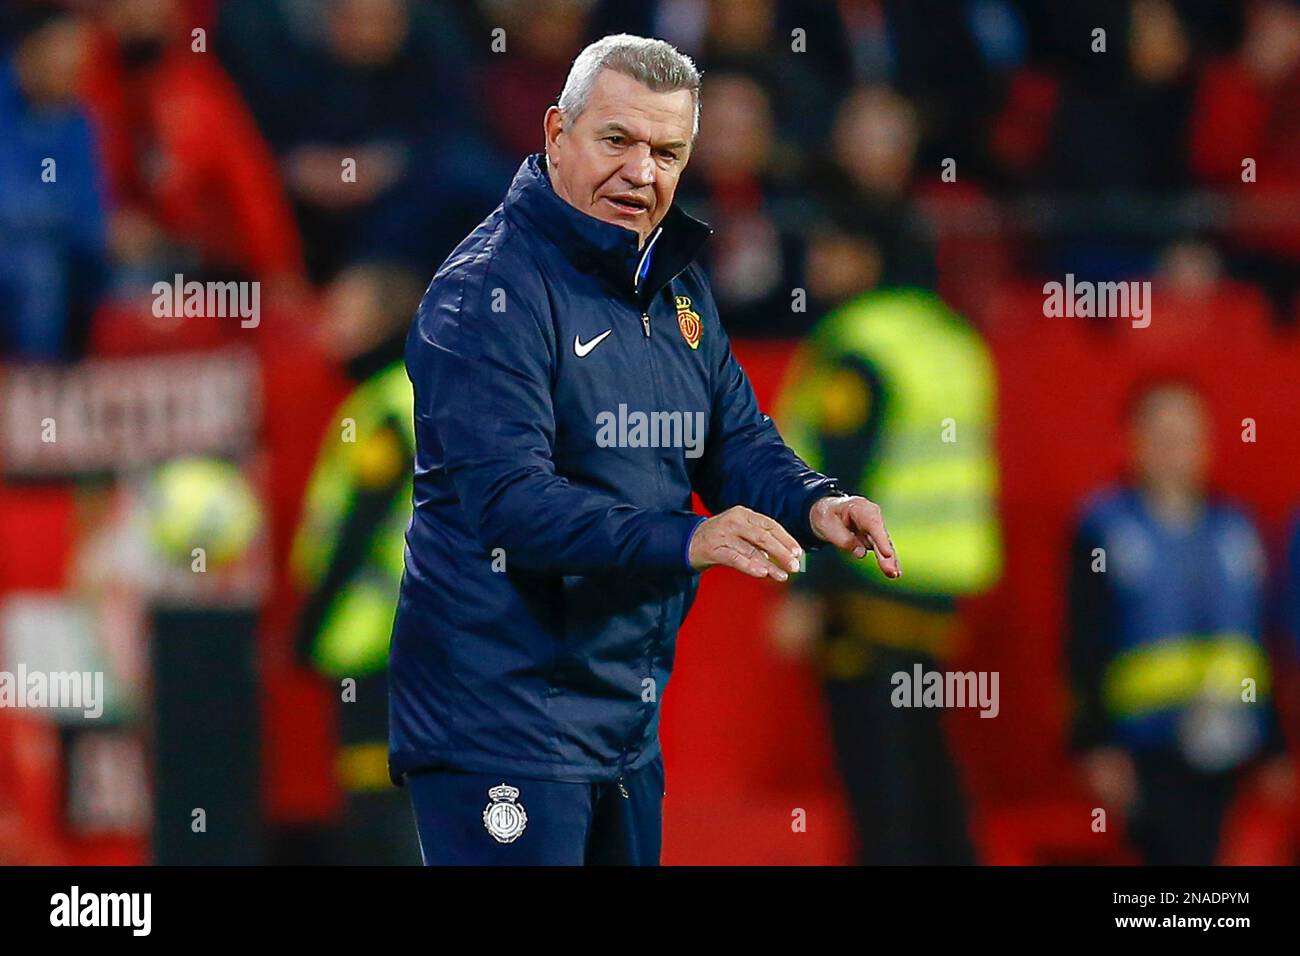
(629, 204)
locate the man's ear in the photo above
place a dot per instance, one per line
(553, 128)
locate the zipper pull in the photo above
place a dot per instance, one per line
(623, 790)
(645, 324)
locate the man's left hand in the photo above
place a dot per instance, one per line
(855, 524)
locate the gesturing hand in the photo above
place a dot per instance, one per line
(747, 541)
(855, 524)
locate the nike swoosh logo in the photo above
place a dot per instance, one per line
(583, 349)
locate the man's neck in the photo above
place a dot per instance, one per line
(1173, 507)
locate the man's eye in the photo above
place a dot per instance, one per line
(616, 140)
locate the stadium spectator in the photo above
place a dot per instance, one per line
(1120, 130)
(796, 50)
(52, 229)
(519, 87)
(951, 59)
(745, 188)
(1245, 138)
(371, 109)
(842, 260)
(869, 174)
(194, 187)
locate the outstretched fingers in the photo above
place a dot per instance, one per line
(869, 528)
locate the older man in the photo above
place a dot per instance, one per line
(573, 386)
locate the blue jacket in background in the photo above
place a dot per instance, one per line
(1170, 627)
(53, 235)
(546, 572)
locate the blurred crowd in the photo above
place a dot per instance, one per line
(345, 146)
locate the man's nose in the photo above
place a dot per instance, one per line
(639, 167)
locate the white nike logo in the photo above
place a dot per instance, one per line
(582, 349)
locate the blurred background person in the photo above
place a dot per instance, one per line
(1118, 127)
(53, 242)
(868, 173)
(896, 393)
(745, 185)
(1171, 683)
(370, 107)
(538, 37)
(194, 187)
(797, 50)
(1246, 110)
(348, 552)
(842, 259)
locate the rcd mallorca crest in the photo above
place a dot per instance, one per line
(688, 321)
(504, 818)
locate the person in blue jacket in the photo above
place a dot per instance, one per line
(1170, 679)
(573, 386)
(53, 223)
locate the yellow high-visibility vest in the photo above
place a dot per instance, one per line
(1173, 672)
(359, 451)
(934, 473)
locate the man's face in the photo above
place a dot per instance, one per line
(49, 63)
(1171, 440)
(621, 159)
(368, 32)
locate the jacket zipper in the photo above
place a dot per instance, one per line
(650, 650)
(645, 327)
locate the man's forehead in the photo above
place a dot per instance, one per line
(619, 100)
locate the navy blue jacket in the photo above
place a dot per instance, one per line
(546, 572)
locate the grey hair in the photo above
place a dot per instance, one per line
(656, 63)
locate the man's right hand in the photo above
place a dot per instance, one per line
(747, 541)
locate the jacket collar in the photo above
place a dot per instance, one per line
(602, 248)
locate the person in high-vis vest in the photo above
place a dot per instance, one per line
(1170, 684)
(897, 393)
(348, 557)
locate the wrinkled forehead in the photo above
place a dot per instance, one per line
(619, 101)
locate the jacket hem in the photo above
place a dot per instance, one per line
(401, 762)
